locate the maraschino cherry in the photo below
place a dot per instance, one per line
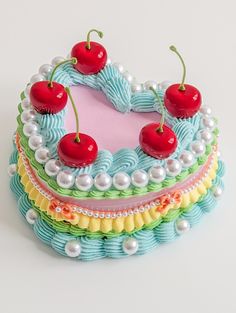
(182, 100)
(77, 149)
(157, 139)
(48, 97)
(91, 56)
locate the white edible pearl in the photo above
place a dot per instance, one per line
(120, 67)
(217, 191)
(52, 167)
(31, 216)
(36, 78)
(121, 181)
(65, 179)
(14, 138)
(45, 70)
(25, 104)
(186, 158)
(218, 154)
(157, 174)
(164, 85)
(139, 178)
(30, 129)
(136, 87)
(27, 90)
(150, 84)
(102, 181)
(57, 60)
(42, 155)
(128, 76)
(173, 167)
(208, 122)
(73, 248)
(205, 135)
(182, 226)
(198, 148)
(28, 116)
(109, 61)
(205, 110)
(84, 182)
(12, 169)
(130, 245)
(35, 142)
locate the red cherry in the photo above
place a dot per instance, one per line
(182, 100)
(91, 56)
(156, 143)
(182, 103)
(48, 99)
(77, 154)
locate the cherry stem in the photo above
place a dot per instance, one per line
(160, 127)
(100, 34)
(67, 89)
(181, 86)
(72, 60)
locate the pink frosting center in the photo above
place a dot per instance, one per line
(111, 129)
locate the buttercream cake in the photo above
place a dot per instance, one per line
(143, 170)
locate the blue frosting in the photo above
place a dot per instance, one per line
(93, 249)
(118, 91)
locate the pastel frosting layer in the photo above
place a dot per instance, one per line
(97, 248)
(128, 223)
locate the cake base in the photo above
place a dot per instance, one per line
(97, 245)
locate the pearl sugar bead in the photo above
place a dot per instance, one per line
(157, 174)
(173, 167)
(25, 104)
(73, 248)
(102, 181)
(31, 216)
(28, 116)
(186, 158)
(65, 179)
(198, 148)
(182, 226)
(121, 181)
(12, 169)
(84, 182)
(35, 142)
(30, 128)
(130, 245)
(52, 167)
(139, 178)
(42, 155)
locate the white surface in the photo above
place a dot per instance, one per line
(195, 273)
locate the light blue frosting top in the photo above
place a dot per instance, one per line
(118, 90)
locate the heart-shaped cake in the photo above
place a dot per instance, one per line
(104, 166)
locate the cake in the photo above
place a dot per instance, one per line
(142, 172)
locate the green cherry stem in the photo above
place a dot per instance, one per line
(72, 60)
(181, 86)
(160, 128)
(100, 34)
(67, 89)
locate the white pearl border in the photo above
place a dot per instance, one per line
(125, 212)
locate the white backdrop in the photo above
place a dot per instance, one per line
(194, 274)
